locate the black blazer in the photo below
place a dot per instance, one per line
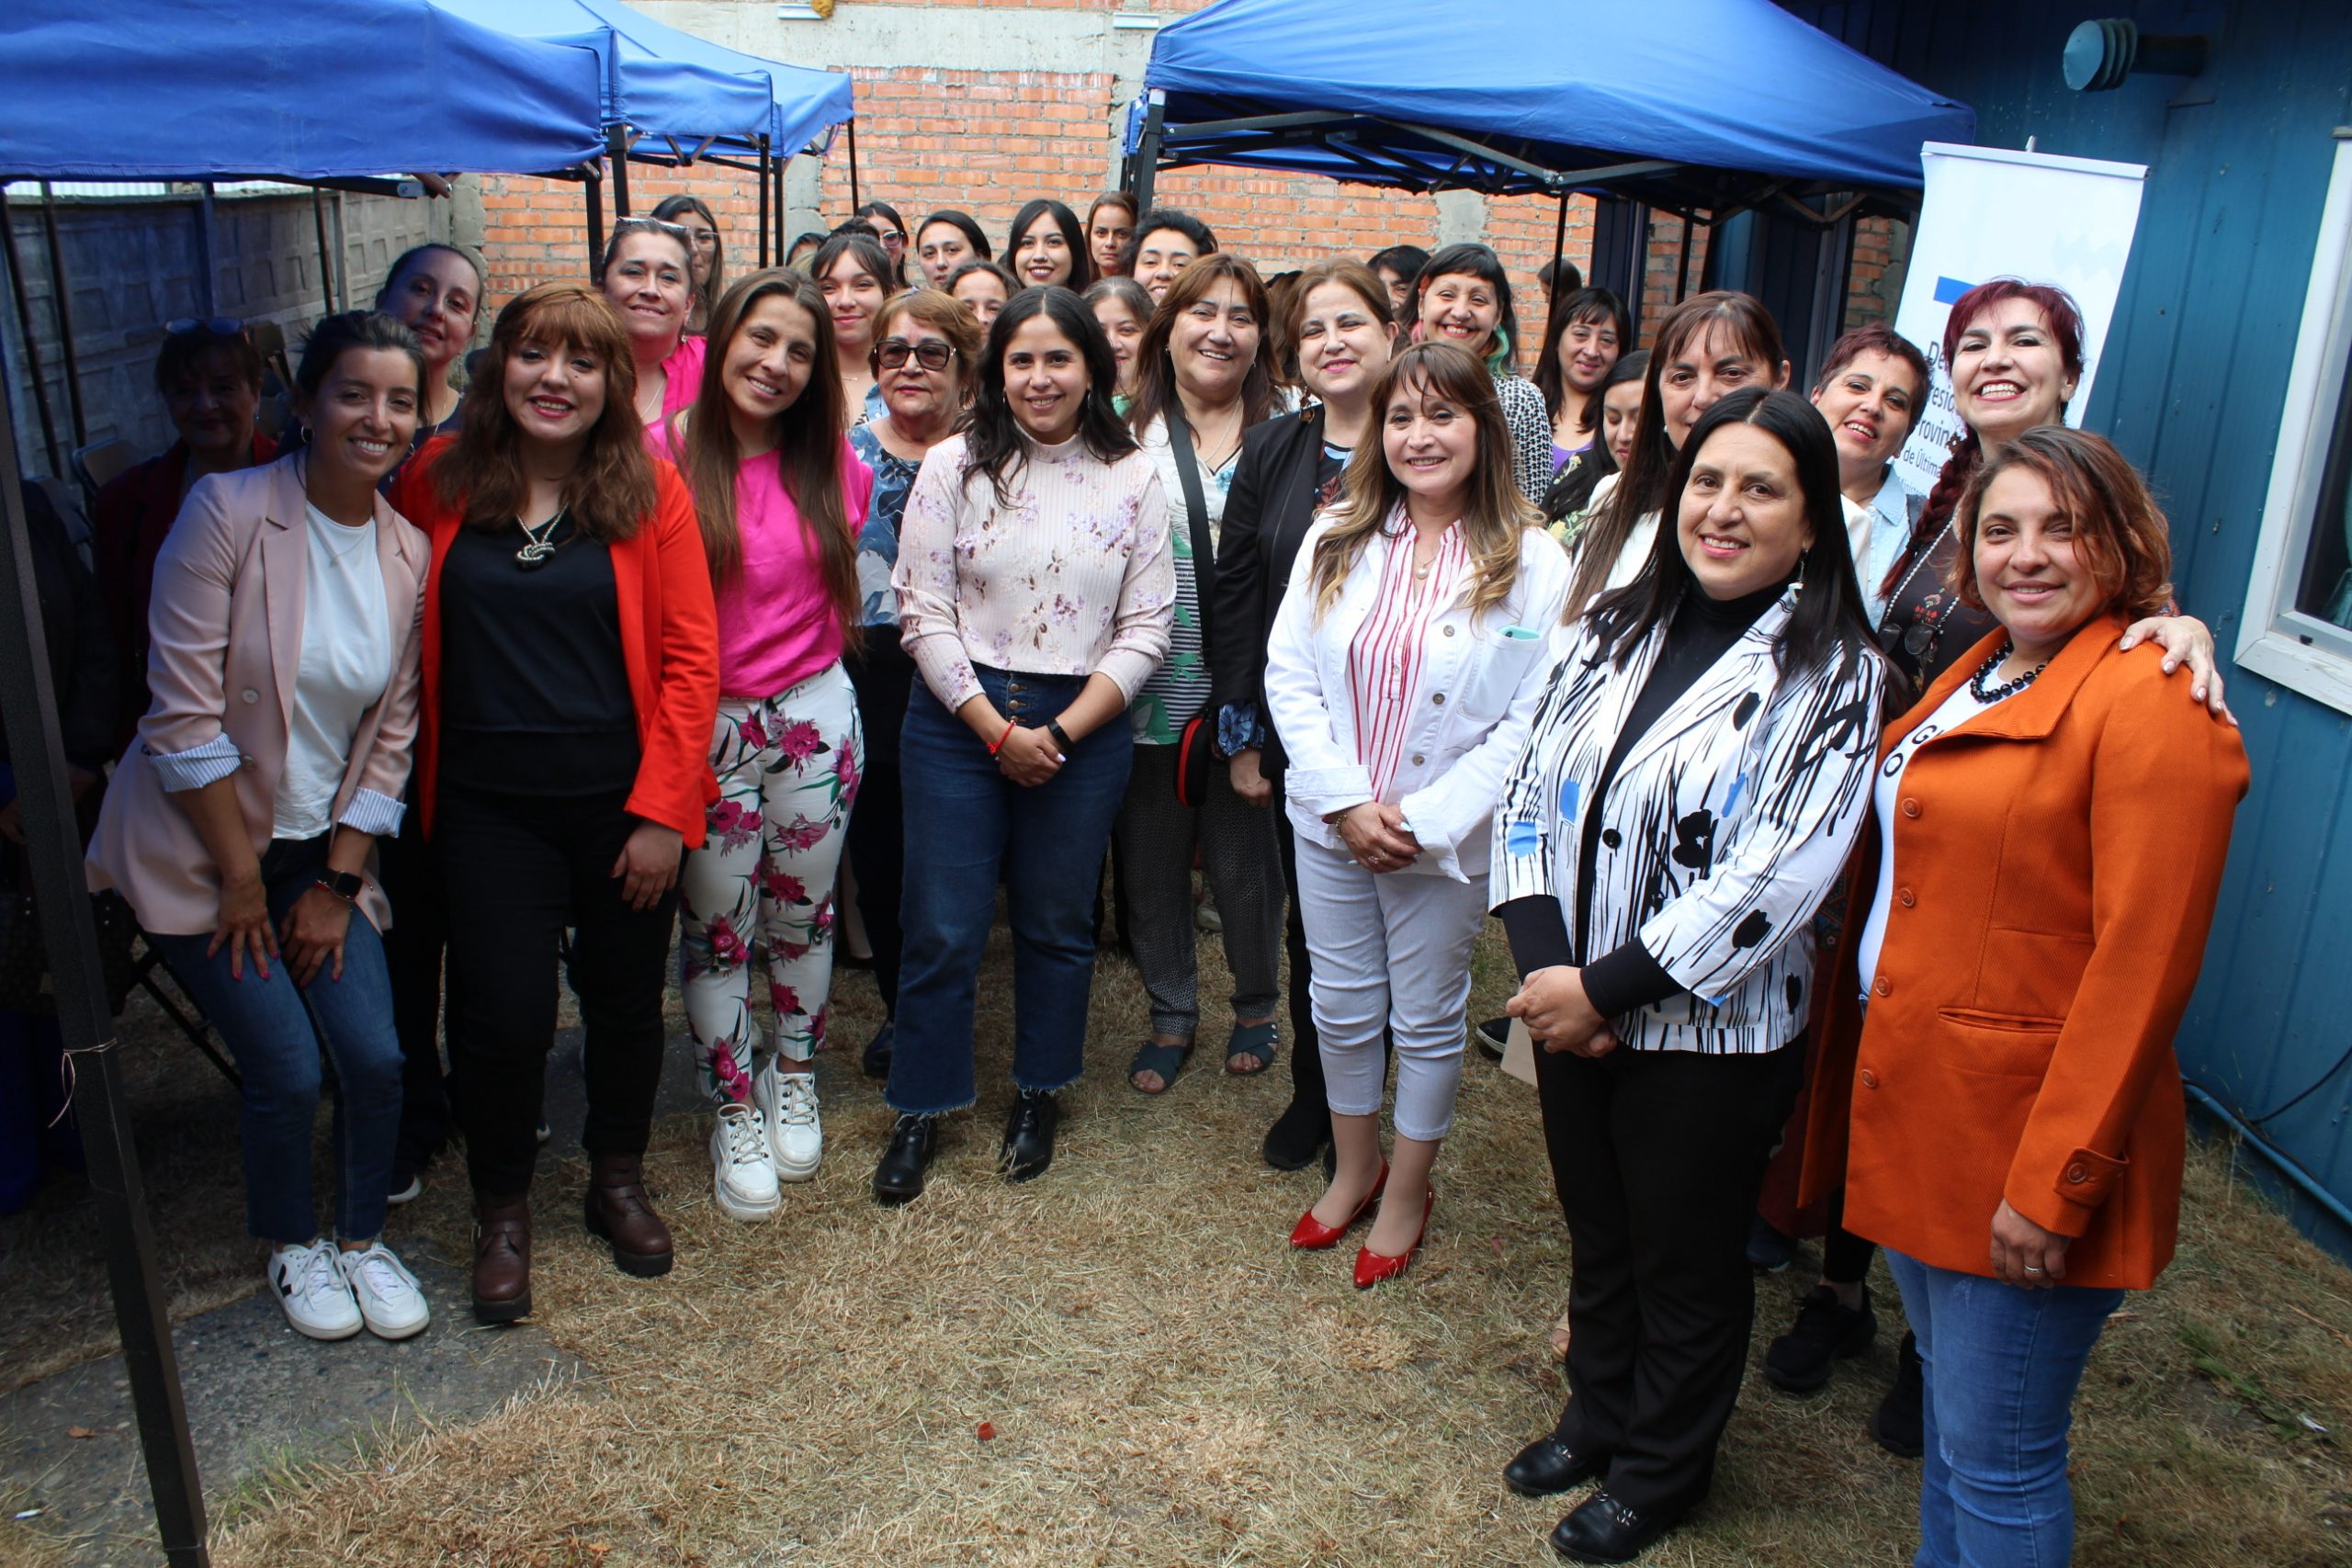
(1268, 510)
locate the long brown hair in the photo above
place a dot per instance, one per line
(1645, 483)
(610, 491)
(808, 445)
(1494, 515)
(1156, 371)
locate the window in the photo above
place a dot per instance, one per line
(2298, 625)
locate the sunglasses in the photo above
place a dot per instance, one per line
(930, 354)
(219, 326)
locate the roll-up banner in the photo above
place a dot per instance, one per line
(1988, 212)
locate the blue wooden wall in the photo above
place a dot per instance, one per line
(2191, 388)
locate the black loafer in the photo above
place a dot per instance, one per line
(1548, 1465)
(1603, 1529)
(1029, 1136)
(1298, 1135)
(898, 1179)
(1899, 1424)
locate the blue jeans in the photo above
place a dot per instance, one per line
(965, 822)
(2002, 1366)
(274, 1029)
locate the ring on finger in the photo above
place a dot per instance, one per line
(2032, 1270)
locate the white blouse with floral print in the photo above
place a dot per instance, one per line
(1070, 576)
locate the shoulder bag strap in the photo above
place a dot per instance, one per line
(1188, 474)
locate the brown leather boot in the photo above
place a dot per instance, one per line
(502, 1256)
(618, 1211)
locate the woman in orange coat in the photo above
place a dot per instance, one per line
(2029, 912)
(570, 665)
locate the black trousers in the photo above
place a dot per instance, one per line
(519, 869)
(1305, 1050)
(1658, 1158)
(882, 675)
(1845, 1257)
(410, 871)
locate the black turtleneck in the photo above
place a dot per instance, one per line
(1702, 631)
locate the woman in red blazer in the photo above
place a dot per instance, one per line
(570, 685)
(1996, 1088)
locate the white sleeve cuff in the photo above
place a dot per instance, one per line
(371, 812)
(197, 766)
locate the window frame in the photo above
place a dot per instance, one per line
(2276, 640)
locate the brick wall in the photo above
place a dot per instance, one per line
(989, 141)
(1875, 292)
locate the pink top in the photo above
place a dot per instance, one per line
(1386, 659)
(776, 622)
(683, 369)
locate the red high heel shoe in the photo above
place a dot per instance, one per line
(1372, 1266)
(1311, 1234)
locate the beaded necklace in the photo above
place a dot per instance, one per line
(1989, 695)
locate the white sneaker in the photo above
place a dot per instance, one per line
(312, 1289)
(742, 1172)
(789, 1102)
(390, 1302)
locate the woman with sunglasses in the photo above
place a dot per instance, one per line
(648, 273)
(923, 364)
(1035, 595)
(571, 693)
(891, 230)
(780, 497)
(709, 270)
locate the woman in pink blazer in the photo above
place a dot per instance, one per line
(240, 824)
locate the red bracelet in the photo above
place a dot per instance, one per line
(998, 744)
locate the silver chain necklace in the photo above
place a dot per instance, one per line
(542, 543)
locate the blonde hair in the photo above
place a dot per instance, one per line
(1494, 515)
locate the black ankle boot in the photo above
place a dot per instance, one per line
(898, 1179)
(1298, 1135)
(1029, 1136)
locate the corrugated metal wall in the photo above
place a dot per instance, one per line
(2190, 388)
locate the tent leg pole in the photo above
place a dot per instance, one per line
(326, 249)
(1559, 249)
(53, 851)
(206, 283)
(1148, 158)
(592, 183)
(763, 201)
(25, 335)
(618, 140)
(1683, 270)
(62, 303)
(855, 200)
(341, 254)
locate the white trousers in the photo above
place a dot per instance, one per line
(1392, 953)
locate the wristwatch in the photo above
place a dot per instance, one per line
(345, 885)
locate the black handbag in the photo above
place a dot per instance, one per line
(1195, 747)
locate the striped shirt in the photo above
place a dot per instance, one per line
(1388, 655)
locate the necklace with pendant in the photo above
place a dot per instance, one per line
(541, 547)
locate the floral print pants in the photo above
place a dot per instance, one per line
(762, 885)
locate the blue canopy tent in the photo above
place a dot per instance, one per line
(1705, 108)
(669, 98)
(218, 90)
(1681, 103)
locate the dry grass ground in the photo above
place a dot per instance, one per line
(1122, 1363)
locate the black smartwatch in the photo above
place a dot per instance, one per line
(345, 885)
(1061, 736)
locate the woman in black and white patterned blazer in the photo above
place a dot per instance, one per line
(1694, 781)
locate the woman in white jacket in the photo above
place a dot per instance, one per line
(1402, 674)
(1695, 777)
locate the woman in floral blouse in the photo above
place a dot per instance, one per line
(1036, 592)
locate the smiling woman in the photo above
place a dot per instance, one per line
(648, 273)
(855, 277)
(1464, 299)
(1047, 244)
(569, 642)
(1034, 584)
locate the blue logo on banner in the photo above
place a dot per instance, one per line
(1947, 290)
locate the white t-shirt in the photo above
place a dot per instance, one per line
(346, 663)
(1950, 715)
